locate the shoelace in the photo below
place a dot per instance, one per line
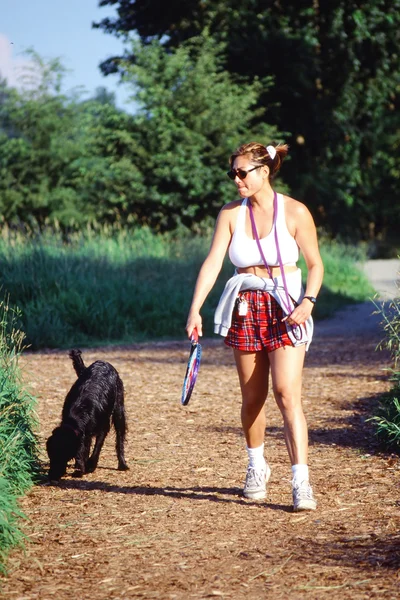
(253, 476)
(304, 490)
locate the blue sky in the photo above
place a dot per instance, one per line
(63, 29)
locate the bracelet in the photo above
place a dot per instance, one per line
(311, 299)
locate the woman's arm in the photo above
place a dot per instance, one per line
(210, 269)
(306, 237)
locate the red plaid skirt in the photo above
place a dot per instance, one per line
(262, 326)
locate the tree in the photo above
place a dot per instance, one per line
(191, 115)
(32, 156)
(62, 159)
(336, 79)
(75, 162)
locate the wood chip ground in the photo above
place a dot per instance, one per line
(175, 526)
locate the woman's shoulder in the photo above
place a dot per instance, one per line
(294, 208)
(230, 210)
(297, 214)
(228, 215)
(232, 205)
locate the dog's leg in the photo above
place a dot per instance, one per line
(81, 457)
(119, 422)
(91, 462)
(88, 442)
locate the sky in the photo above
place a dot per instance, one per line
(60, 29)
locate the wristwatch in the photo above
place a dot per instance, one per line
(311, 299)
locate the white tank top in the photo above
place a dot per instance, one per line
(243, 250)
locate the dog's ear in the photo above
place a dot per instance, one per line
(62, 442)
(51, 439)
(55, 431)
(50, 443)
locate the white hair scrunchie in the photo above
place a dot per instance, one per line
(271, 151)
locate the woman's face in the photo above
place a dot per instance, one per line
(254, 180)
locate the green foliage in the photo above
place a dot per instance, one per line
(32, 157)
(387, 417)
(360, 140)
(114, 285)
(18, 444)
(64, 161)
(391, 326)
(10, 515)
(190, 115)
(336, 83)
(206, 76)
(72, 163)
(101, 287)
(387, 421)
(104, 175)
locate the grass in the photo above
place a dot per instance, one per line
(18, 444)
(387, 417)
(119, 286)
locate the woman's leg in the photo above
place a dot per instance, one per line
(286, 373)
(253, 371)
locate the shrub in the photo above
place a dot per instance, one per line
(387, 419)
(18, 444)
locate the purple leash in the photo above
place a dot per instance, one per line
(289, 305)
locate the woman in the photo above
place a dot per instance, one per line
(264, 312)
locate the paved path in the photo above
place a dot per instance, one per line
(364, 319)
(384, 276)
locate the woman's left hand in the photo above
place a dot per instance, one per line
(300, 314)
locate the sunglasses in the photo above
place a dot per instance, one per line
(241, 173)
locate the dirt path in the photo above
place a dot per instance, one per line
(175, 525)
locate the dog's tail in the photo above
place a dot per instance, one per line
(77, 361)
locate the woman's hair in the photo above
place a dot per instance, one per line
(261, 155)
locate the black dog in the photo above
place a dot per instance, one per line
(96, 397)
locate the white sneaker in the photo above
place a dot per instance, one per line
(255, 486)
(303, 498)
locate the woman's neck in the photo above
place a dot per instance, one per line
(264, 198)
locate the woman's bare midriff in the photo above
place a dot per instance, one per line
(262, 271)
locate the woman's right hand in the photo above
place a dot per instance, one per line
(194, 322)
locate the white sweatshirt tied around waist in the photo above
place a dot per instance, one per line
(247, 281)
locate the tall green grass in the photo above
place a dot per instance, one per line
(119, 286)
(387, 417)
(18, 444)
